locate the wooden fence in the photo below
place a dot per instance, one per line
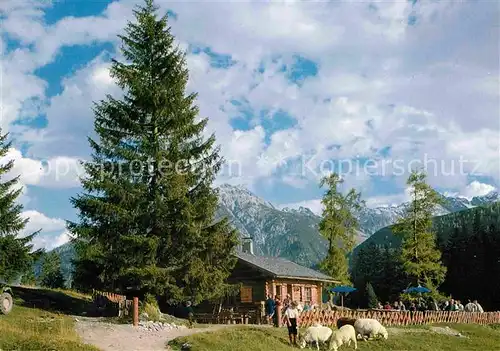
(110, 303)
(400, 318)
(248, 315)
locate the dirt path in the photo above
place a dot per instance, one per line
(124, 337)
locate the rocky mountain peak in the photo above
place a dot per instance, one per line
(234, 197)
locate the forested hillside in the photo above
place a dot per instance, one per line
(470, 244)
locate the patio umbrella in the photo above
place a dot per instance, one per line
(343, 289)
(417, 289)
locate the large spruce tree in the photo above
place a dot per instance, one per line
(16, 253)
(339, 226)
(147, 214)
(419, 252)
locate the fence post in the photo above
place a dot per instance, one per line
(136, 311)
(278, 315)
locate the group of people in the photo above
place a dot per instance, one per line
(432, 305)
(456, 305)
(290, 311)
(272, 304)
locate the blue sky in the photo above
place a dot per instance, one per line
(291, 91)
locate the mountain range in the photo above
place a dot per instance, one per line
(293, 233)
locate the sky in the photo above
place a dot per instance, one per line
(293, 90)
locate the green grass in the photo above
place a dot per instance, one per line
(31, 329)
(481, 338)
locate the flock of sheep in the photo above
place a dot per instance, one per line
(348, 332)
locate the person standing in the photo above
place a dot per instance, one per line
(292, 322)
(190, 313)
(270, 308)
(413, 307)
(470, 307)
(479, 308)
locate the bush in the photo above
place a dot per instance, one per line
(151, 308)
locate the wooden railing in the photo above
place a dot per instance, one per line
(110, 296)
(400, 318)
(106, 302)
(244, 316)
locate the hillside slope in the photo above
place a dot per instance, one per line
(383, 235)
(470, 244)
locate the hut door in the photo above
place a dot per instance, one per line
(289, 290)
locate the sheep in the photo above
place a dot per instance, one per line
(344, 335)
(370, 327)
(315, 334)
(345, 320)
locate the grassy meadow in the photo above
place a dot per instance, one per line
(419, 338)
(30, 329)
(39, 321)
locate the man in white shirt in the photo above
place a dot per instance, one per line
(470, 307)
(479, 307)
(292, 322)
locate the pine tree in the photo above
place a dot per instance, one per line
(339, 226)
(51, 275)
(147, 214)
(367, 266)
(371, 296)
(492, 269)
(420, 256)
(16, 253)
(393, 279)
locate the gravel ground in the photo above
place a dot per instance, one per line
(125, 337)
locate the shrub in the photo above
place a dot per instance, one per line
(151, 308)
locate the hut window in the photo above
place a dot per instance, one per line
(246, 294)
(278, 291)
(308, 293)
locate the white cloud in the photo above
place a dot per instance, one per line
(57, 172)
(69, 115)
(476, 188)
(53, 230)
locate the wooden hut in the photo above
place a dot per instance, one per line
(261, 275)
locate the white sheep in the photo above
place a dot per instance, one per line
(344, 335)
(315, 334)
(370, 327)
